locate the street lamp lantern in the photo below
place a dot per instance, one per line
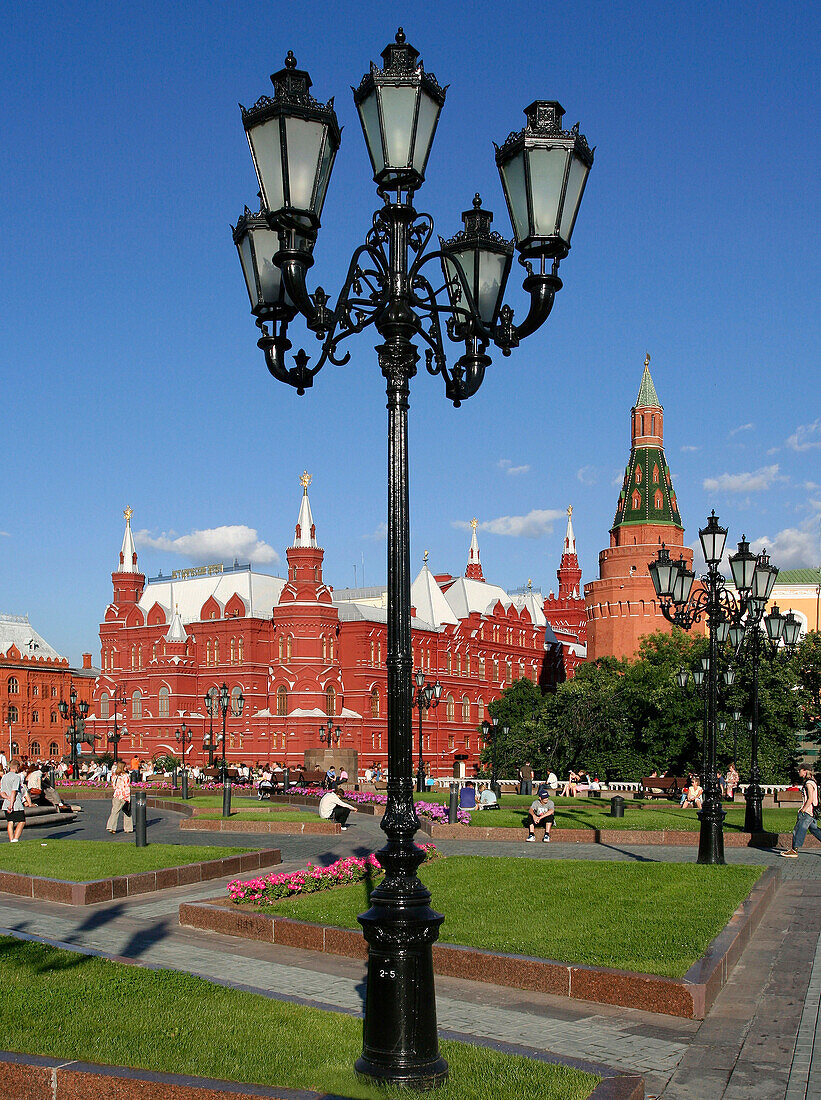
(722, 631)
(663, 573)
(399, 107)
(792, 630)
(742, 566)
(544, 170)
(764, 578)
(736, 634)
(698, 677)
(476, 263)
(682, 676)
(426, 697)
(713, 537)
(774, 622)
(293, 140)
(682, 583)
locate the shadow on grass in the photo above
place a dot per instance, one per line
(38, 958)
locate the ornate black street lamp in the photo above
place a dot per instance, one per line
(208, 742)
(426, 697)
(673, 583)
(183, 736)
(226, 700)
(75, 734)
(115, 737)
(781, 631)
(293, 140)
(329, 735)
(493, 725)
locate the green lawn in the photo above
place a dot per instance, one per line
(68, 1006)
(646, 816)
(88, 860)
(654, 918)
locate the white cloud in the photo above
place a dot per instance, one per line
(755, 481)
(380, 534)
(506, 465)
(810, 486)
(5, 534)
(741, 428)
(532, 526)
(805, 437)
(792, 548)
(689, 448)
(213, 544)
(588, 475)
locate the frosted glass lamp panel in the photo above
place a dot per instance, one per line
(425, 129)
(246, 258)
(266, 245)
(266, 151)
(573, 197)
(304, 143)
(398, 117)
(325, 167)
(452, 268)
(369, 117)
(515, 186)
(547, 169)
(489, 284)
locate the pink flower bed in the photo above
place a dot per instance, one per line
(270, 888)
(432, 810)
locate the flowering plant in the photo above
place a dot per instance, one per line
(270, 888)
(432, 810)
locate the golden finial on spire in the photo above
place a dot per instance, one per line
(647, 360)
(426, 557)
(569, 510)
(474, 523)
(305, 480)
(529, 584)
(128, 512)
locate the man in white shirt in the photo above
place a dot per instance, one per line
(332, 808)
(552, 781)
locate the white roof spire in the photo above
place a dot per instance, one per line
(128, 554)
(570, 538)
(176, 632)
(305, 530)
(474, 569)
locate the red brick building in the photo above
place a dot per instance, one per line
(621, 604)
(34, 679)
(301, 652)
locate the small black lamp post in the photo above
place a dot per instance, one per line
(427, 696)
(226, 701)
(115, 737)
(75, 734)
(183, 736)
(493, 725)
(294, 140)
(330, 735)
(673, 583)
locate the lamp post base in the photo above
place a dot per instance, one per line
(753, 815)
(711, 836)
(400, 1042)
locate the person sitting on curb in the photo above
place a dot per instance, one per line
(805, 822)
(694, 794)
(332, 808)
(541, 812)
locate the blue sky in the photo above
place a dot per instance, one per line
(130, 362)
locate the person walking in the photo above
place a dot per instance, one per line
(15, 799)
(805, 822)
(121, 802)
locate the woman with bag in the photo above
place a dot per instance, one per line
(121, 802)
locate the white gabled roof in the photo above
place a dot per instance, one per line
(430, 601)
(17, 630)
(534, 602)
(466, 597)
(176, 632)
(353, 611)
(260, 592)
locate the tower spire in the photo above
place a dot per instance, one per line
(569, 538)
(569, 573)
(128, 554)
(474, 567)
(305, 529)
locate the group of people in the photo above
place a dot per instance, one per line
(25, 782)
(693, 794)
(576, 781)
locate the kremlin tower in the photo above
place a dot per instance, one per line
(566, 612)
(621, 604)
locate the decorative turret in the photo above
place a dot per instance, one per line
(176, 631)
(569, 571)
(474, 568)
(127, 580)
(621, 604)
(304, 556)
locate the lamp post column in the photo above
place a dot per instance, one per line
(711, 835)
(754, 795)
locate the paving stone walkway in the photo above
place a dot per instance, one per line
(757, 1042)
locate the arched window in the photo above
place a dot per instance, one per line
(373, 652)
(137, 704)
(509, 668)
(241, 650)
(290, 640)
(638, 475)
(35, 717)
(655, 474)
(281, 643)
(208, 652)
(331, 650)
(495, 669)
(449, 662)
(642, 423)
(34, 748)
(54, 749)
(164, 702)
(375, 703)
(653, 424)
(233, 651)
(481, 668)
(659, 500)
(480, 710)
(467, 664)
(53, 718)
(216, 651)
(282, 702)
(330, 700)
(465, 709)
(636, 499)
(450, 713)
(13, 715)
(325, 649)
(14, 687)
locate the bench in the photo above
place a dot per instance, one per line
(48, 815)
(663, 786)
(784, 798)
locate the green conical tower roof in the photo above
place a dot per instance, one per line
(647, 391)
